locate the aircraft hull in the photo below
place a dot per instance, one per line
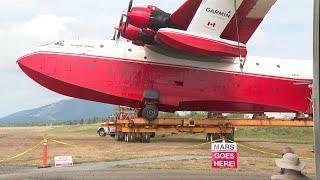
(182, 88)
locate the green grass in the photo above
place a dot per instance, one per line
(67, 130)
(279, 134)
(282, 134)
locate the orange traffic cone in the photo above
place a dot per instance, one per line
(44, 163)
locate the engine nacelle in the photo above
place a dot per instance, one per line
(138, 43)
(153, 7)
(135, 34)
(148, 18)
(131, 33)
(139, 17)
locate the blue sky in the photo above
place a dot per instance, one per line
(285, 33)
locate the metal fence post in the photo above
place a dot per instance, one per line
(316, 87)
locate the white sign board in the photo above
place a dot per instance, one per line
(224, 155)
(63, 161)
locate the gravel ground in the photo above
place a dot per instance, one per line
(109, 170)
(123, 174)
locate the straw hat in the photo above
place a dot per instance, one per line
(291, 161)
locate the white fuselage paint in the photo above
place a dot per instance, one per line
(212, 17)
(126, 51)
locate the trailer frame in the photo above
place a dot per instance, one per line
(127, 127)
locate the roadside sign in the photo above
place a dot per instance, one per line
(224, 155)
(63, 161)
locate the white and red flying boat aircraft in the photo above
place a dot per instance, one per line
(191, 60)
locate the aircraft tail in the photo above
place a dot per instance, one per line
(217, 18)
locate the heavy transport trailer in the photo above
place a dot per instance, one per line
(128, 129)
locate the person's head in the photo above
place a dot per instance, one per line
(290, 161)
(287, 150)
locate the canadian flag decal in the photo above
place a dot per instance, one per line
(212, 25)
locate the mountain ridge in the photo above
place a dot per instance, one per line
(61, 111)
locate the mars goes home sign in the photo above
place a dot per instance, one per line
(224, 155)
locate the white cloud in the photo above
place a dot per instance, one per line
(44, 28)
(18, 91)
(18, 37)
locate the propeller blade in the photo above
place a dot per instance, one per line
(130, 5)
(126, 25)
(118, 36)
(121, 20)
(114, 35)
(127, 17)
(117, 33)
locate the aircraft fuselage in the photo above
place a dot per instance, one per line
(103, 72)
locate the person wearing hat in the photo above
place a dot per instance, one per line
(292, 167)
(285, 151)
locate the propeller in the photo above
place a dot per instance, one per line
(126, 14)
(117, 33)
(130, 5)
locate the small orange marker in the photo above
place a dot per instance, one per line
(45, 152)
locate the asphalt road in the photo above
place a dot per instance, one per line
(134, 174)
(110, 170)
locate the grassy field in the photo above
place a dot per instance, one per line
(89, 147)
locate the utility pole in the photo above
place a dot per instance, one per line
(316, 109)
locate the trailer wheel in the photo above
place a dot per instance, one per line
(119, 136)
(102, 133)
(208, 137)
(152, 135)
(126, 137)
(230, 136)
(212, 137)
(116, 137)
(131, 137)
(145, 137)
(150, 112)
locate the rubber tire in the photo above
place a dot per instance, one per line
(116, 137)
(119, 136)
(208, 136)
(230, 136)
(212, 137)
(145, 137)
(152, 135)
(216, 136)
(139, 114)
(150, 112)
(131, 137)
(102, 133)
